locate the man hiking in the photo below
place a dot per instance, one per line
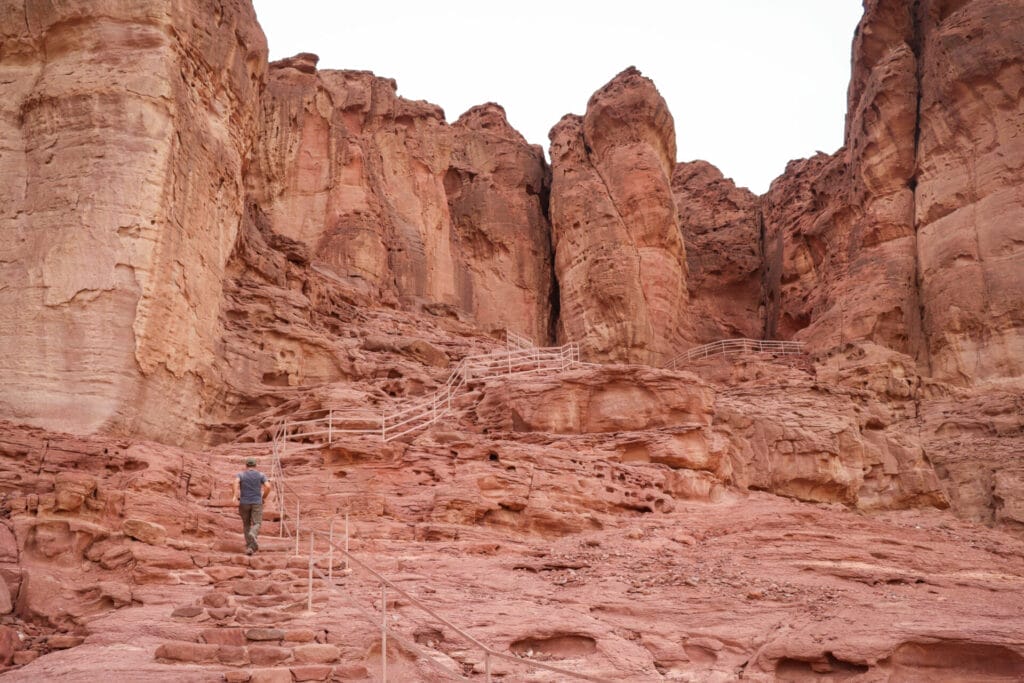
(249, 490)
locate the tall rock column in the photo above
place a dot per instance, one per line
(839, 230)
(970, 188)
(125, 128)
(619, 256)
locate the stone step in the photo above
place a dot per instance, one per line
(250, 653)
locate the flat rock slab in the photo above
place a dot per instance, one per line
(179, 651)
(315, 653)
(263, 634)
(312, 672)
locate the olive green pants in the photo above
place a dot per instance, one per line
(252, 517)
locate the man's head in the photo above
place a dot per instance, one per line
(250, 462)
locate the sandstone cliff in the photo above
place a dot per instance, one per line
(196, 245)
(907, 237)
(126, 130)
(400, 205)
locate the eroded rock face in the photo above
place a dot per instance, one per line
(969, 207)
(909, 236)
(126, 127)
(398, 204)
(619, 256)
(721, 228)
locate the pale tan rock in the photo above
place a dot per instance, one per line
(125, 180)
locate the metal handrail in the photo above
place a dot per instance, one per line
(426, 410)
(385, 582)
(723, 346)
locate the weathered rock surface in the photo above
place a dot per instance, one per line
(619, 256)
(398, 204)
(125, 129)
(908, 237)
(721, 228)
(198, 246)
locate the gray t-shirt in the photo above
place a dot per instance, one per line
(250, 483)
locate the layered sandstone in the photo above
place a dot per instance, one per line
(721, 228)
(396, 203)
(908, 237)
(126, 128)
(619, 256)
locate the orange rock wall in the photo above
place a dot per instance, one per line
(125, 129)
(910, 236)
(397, 203)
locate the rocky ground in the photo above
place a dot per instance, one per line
(622, 521)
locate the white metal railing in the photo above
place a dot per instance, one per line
(518, 341)
(387, 631)
(425, 411)
(281, 487)
(722, 346)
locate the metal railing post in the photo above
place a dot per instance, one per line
(298, 526)
(330, 554)
(309, 594)
(487, 666)
(383, 633)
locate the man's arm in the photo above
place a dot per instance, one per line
(235, 494)
(266, 490)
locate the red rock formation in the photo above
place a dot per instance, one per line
(126, 128)
(395, 202)
(720, 224)
(197, 250)
(619, 258)
(919, 213)
(969, 202)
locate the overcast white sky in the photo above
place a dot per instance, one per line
(751, 83)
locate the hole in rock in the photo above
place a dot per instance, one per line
(559, 646)
(275, 379)
(492, 456)
(802, 670)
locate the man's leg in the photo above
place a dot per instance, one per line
(255, 520)
(245, 512)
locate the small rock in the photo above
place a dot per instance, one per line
(261, 655)
(187, 612)
(237, 676)
(180, 651)
(22, 657)
(302, 635)
(232, 655)
(223, 636)
(221, 613)
(9, 642)
(63, 641)
(263, 634)
(692, 581)
(271, 676)
(755, 595)
(312, 672)
(216, 599)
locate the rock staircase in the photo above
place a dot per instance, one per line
(277, 615)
